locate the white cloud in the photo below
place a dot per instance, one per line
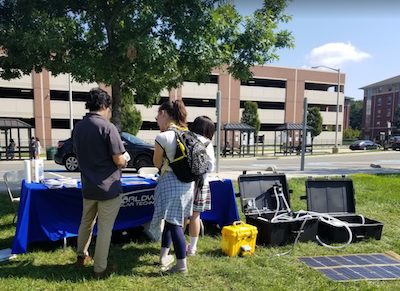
(335, 54)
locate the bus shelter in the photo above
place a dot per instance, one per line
(20, 132)
(290, 140)
(234, 144)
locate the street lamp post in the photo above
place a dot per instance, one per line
(335, 148)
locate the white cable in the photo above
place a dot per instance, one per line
(306, 215)
(277, 203)
(295, 240)
(333, 222)
(284, 200)
(258, 210)
(326, 218)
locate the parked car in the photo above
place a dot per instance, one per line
(395, 142)
(141, 153)
(364, 145)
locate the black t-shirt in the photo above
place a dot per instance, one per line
(96, 140)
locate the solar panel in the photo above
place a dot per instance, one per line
(356, 267)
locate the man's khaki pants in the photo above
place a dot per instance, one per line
(105, 211)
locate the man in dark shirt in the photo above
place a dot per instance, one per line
(99, 151)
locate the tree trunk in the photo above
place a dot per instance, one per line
(116, 106)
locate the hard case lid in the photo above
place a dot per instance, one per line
(327, 195)
(257, 193)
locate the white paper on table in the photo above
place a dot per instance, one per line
(127, 156)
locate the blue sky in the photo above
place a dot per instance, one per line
(361, 37)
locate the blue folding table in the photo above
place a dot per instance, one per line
(54, 214)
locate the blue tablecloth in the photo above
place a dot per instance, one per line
(53, 214)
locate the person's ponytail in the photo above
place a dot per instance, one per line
(180, 113)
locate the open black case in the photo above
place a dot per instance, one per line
(263, 197)
(336, 198)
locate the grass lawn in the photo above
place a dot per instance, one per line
(48, 267)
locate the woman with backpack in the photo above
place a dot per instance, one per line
(173, 199)
(204, 127)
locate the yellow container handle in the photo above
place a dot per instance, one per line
(236, 223)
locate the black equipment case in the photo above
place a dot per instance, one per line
(336, 197)
(259, 204)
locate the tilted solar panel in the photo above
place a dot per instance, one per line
(356, 267)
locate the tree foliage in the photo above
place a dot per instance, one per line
(314, 119)
(250, 115)
(130, 116)
(356, 111)
(350, 133)
(139, 45)
(131, 120)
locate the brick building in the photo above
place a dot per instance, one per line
(381, 100)
(42, 100)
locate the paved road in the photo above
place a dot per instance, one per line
(322, 163)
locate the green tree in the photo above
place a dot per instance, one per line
(314, 120)
(140, 45)
(250, 115)
(350, 133)
(356, 111)
(130, 116)
(131, 120)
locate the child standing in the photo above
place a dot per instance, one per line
(204, 127)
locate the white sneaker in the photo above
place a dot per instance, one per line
(174, 269)
(190, 251)
(166, 262)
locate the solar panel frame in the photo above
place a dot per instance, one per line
(356, 267)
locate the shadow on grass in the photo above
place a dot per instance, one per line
(128, 260)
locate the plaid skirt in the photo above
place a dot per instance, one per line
(173, 201)
(203, 200)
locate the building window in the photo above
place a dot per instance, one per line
(213, 79)
(389, 100)
(378, 123)
(389, 87)
(15, 93)
(378, 113)
(388, 112)
(380, 90)
(379, 101)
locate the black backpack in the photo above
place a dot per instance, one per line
(191, 160)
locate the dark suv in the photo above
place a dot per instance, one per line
(141, 153)
(395, 142)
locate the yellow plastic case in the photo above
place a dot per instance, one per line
(238, 239)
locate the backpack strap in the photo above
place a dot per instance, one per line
(178, 132)
(175, 129)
